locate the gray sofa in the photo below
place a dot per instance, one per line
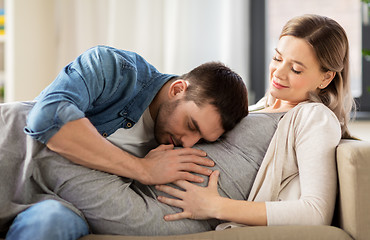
(352, 214)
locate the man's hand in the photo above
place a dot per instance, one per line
(166, 164)
(80, 142)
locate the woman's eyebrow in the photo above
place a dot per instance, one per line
(295, 61)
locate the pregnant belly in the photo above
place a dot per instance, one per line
(237, 171)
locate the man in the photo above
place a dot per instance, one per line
(115, 94)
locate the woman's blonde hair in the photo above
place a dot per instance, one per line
(330, 43)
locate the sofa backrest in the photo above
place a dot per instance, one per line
(352, 212)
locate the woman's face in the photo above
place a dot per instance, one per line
(294, 70)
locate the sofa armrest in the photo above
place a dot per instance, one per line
(353, 162)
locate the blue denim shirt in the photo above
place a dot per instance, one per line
(110, 87)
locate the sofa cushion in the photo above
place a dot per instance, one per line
(241, 233)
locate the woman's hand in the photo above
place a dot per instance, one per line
(197, 202)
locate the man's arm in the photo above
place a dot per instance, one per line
(58, 119)
(80, 142)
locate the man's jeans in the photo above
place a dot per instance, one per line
(47, 220)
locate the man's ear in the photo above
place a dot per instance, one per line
(328, 77)
(177, 88)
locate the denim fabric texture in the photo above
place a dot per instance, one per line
(47, 220)
(110, 87)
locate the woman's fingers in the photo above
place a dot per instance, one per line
(171, 191)
(213, 179)
(176, 216)
(170, 201)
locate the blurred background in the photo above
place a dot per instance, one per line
(39, 37)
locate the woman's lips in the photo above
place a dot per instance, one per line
(278, 85)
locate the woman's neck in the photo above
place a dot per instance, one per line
(279, 106)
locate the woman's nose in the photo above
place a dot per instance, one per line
(280, 71)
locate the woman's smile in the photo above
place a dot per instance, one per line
(278, 85)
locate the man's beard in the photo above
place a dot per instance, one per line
(162, 120)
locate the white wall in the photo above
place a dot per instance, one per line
(174, 35)
(360, 129)
(30, 48)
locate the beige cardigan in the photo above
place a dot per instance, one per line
(298, 178)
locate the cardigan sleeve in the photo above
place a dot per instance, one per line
(308, 197)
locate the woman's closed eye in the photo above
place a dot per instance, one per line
(296, 72)
(277, 59)
(293, 70)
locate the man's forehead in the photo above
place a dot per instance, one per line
(208, 122)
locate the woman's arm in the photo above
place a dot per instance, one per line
(205, 202)
(309, 198)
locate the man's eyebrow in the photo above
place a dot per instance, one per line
(295, 61)
(195, 123)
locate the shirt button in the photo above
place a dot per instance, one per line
(129, 125)
(105, 134)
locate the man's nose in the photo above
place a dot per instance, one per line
(190, 140)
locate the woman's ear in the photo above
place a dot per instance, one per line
(177, 88)
(328, 77)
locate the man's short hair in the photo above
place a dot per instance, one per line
(216, 84)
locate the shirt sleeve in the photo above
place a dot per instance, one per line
(89, 80)
(317, 135)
